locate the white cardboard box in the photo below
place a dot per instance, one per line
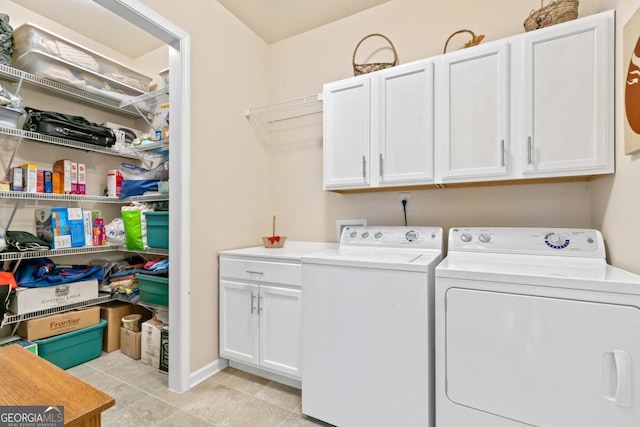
(150, 342)
(27, 300)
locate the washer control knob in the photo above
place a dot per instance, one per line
(465, 237)
(365, 235)
(377, 234)
(484, 237)
(557, 240)
(411, 235)
(353, 234)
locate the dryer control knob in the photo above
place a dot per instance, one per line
(465, 237)
(377, 234)
(353, 234)
(484, 237)
(365, 235)
(411, 235)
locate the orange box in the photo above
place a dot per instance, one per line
(56, 182)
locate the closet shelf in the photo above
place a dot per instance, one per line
(16, 318)
(147, 101)
(131, 153)
(14, 75)
(270, 120)
(12, 256)
(19, 195)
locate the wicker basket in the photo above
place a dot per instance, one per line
(555, 12)
(475, 40)
(374, 66)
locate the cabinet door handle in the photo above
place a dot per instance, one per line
(260, 303)
(381, 166)
(253, 297)
(364, 167)
(502, 152)
(529, 151)
(255, 272)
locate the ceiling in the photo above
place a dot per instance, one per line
(97, 23)
(275, 20)
(272, 20)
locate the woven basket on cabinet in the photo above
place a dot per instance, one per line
(555, 12)
(374, 66)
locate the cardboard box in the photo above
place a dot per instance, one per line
(29, 177)
(164, 349)
(150, 346)
(15, 178)
(113, 312)
(82, 179)
(49, 326)
(63, 167)
(27, 300)
(62, 227)
(48, 181)
(130, 343)
(56, 183)
(88, 228)
(40, 183)
(74, 178)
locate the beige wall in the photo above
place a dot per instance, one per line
(615, 200)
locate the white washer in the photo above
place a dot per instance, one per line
(534, 328)
(367, 328)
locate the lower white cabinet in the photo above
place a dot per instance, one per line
(260, 321)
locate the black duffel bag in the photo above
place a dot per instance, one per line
(69, 127)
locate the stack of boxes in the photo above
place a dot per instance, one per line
(63, 227)
(66, 177)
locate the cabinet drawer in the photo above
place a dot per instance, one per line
(260, 271)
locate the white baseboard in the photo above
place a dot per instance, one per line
(266, 374)
(207, 371)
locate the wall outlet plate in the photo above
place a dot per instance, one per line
(342, 223)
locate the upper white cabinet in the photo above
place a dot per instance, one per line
(403, 122)
(536, 105)
(378, 128)
(346, 133)
(568, 98)
(473, 113)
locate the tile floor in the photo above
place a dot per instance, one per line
(229, 398)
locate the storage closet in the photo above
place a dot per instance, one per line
(134, 111)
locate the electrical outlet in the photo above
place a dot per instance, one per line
(407, 197)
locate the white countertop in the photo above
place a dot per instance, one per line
(292, 250)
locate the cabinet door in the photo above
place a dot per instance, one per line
(404, 116)
(346, 133)
(280, 338)
(473, 113)
(239, 321)
(568, 98)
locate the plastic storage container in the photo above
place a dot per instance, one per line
(73, 348)
(157, 229)
(11, 117)
(48, 55)
(153, 289)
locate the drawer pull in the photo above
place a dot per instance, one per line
(260, 303)
(253, 297)
(255, 272)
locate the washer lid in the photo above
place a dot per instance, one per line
(383, 258)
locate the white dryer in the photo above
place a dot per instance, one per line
(367, 328)
(533, 328)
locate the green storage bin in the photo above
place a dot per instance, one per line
(73, 348)
(153, 289)
(157, 229)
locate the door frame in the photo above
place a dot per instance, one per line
(179, 45)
